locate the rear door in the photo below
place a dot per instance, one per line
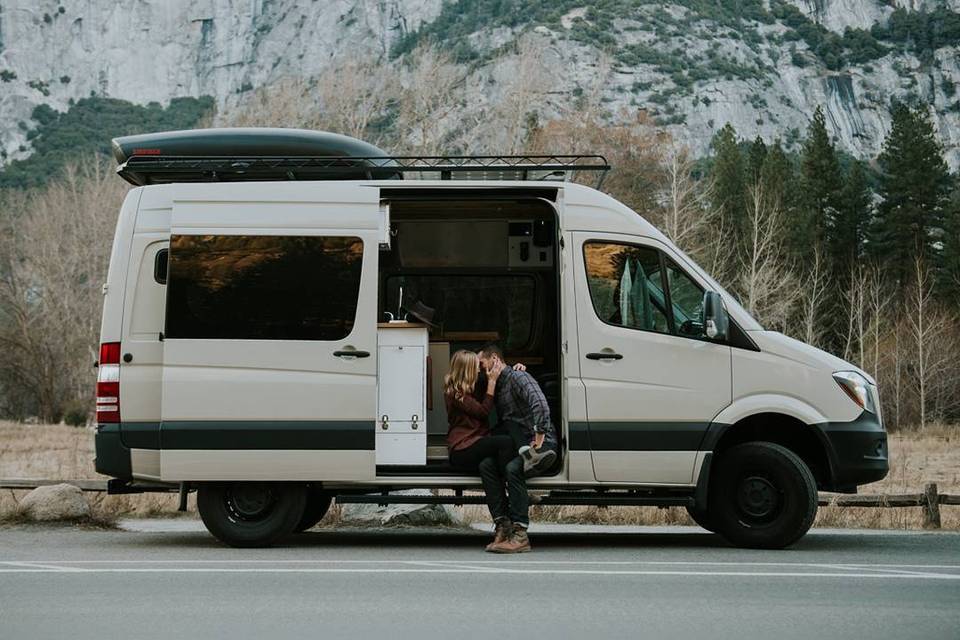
(653, 381)
(270, 333)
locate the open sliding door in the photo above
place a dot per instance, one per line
(270, 334)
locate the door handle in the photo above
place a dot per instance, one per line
(604, 355)
(351, 353)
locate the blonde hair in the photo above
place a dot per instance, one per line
(462, 378)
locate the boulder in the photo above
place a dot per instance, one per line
(410, 515)
(55, 502)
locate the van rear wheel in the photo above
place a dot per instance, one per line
(763, 496)
(318, 503)
(251, 514)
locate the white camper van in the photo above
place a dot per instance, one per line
(256, 346)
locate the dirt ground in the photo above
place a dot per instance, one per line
(62, 452)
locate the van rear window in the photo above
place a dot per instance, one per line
(263, 287)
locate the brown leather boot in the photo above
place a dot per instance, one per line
(501, 533)
(519, 542)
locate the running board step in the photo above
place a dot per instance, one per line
(554, 498)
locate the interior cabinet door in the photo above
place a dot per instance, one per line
(401, 391)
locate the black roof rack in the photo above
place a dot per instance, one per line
(155, 169)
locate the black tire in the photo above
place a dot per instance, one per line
(251, 514)
(318, 503)
(763, 496)
(702, 518)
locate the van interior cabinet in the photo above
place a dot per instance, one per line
(401, 393)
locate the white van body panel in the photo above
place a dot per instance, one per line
(787, 376)
(117, 284)
(757, 403)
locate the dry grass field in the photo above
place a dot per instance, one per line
(59, 451)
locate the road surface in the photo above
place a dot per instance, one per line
(171, 579)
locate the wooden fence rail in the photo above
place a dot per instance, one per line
(930, 499)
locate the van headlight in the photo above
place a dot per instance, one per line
(857, 388)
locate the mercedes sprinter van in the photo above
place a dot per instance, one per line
(256, 347)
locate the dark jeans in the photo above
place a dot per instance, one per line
(489, 456)
(513, 474)
(519, 436)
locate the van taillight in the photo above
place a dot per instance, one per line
(108, 383)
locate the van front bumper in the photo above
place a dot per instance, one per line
(857, 450)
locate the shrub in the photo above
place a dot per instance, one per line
(76, 414)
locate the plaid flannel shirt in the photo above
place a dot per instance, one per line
(519, 399)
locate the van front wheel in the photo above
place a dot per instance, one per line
(251, 514)
(763, 496)
(702, 518)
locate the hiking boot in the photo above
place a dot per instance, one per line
(519, 542)
(536, 461)
(501, 533)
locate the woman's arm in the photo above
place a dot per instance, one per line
(473, 407)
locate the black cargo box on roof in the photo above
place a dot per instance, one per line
(244, 154)
(247, 154)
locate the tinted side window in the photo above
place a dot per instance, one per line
(160, 266)
(686, 296)
(624, 283)
(263, 287)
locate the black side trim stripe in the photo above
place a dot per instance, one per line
(269, 434)
(637, 436)
(140, 435)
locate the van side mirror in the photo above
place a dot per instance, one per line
(716, 323)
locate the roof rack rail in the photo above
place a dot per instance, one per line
(155, 169)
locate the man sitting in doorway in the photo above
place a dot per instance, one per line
(524, 415)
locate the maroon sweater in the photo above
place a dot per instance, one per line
(467, 418)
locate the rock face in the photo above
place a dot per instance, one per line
(413, 515)
(155, 50)
(55, 502)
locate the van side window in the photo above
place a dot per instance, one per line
(686, 298)
(160, 263)
(625, 285)
(263, 287)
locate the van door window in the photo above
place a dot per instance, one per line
(625, 286)
(686, 299)
(263, 287)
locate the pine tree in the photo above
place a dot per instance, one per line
(779, 177)
(849, 229)
(915, 187)
(729, 189)
(821, 180)
(755, 158)
(950, 276)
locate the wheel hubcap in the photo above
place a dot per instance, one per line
(758, 499)
(250, 501)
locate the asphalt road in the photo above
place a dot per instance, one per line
(67, 582)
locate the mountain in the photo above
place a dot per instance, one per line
(693, 65)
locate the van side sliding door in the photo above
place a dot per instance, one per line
(270, 333)
(653, 382)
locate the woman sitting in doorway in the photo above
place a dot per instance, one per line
(469, 401)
